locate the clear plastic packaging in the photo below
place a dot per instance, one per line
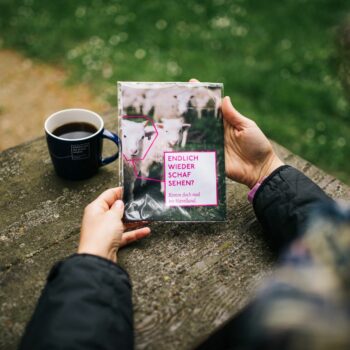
(172, 167)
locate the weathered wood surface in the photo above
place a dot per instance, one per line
(187, 278)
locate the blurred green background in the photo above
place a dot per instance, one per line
(281, 61)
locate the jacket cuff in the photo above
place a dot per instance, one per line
(103, 262)
(284, 203)
(266, 180)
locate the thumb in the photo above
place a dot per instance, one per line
(231, 114)
(118, 208)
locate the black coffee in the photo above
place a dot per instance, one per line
(74, 131)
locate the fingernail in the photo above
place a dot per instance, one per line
(119, 204)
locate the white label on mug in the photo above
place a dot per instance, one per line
(80, 151)
(190, 179)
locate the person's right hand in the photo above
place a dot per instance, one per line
(249, 155)
(103, 231)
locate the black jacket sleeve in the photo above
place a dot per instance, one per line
(284, 203)
(86, 304)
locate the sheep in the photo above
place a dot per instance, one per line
(134, 99)
(133, 134)
(181, 97)
(184, 98)
(200, 98)
(166, 106)
(170, 133)
(163, 102)
(172, 103)
(148, 103)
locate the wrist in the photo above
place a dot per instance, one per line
(109, 254)
(269, 166)
(254, 189)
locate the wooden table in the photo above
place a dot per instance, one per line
(188, 279)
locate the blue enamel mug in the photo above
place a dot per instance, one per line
(75, 142)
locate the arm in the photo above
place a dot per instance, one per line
(284, 202)
(86, 302)
(286, 197)
(294, 306)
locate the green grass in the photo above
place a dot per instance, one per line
(278, 58)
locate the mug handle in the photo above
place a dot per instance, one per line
(113, 137)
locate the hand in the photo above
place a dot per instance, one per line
(102, 231)
(249, 155)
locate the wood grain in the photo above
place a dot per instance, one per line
(188, 279)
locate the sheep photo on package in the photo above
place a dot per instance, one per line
(157, 120)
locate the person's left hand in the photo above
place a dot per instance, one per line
(102, 230)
